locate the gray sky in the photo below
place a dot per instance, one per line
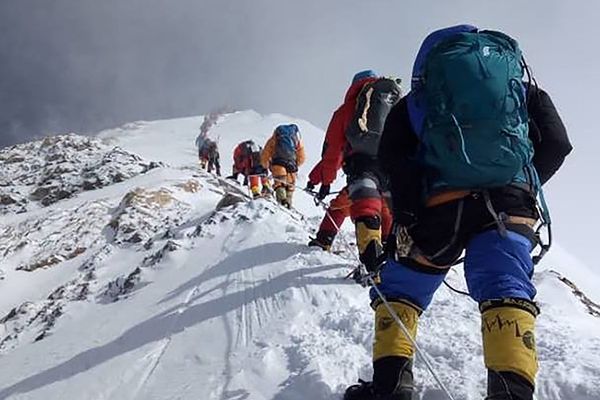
(84, 65)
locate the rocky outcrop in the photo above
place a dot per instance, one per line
(40, 173)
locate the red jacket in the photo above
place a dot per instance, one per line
(315, 176)
(241, 162)
(334, 146)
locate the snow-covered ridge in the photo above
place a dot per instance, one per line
(173, 285)
(84, 236)
(43, 172)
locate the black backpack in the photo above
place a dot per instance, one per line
(252, 151)
(373, 105)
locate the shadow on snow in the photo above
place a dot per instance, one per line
(173, 321)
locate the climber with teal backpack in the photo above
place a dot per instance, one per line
(466, 153)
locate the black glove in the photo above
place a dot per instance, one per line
(323, 192)
(310, 186)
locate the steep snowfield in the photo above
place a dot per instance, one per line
(170, 298)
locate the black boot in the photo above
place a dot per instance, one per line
(392, 380)
(361, 391)
(372, 257)
(365, 391)
(393, 377)
(506, 385)
(323, 240)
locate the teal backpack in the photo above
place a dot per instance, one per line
(468, 108)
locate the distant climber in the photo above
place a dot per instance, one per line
(283, 154)
(208, 154)
(246, 161)
(336, 214)
(351, 142)
(208, 151)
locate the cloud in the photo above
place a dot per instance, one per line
(86, 65)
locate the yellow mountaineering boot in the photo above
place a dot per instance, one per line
(509, 350)
(266, 190)
(389, 338)
(255, 191)
(368, 241)
(393, 351)
(392, 355)
(280, 195)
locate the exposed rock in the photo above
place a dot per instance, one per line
(52, 260)
(592, 307)
(58, 167)
(191, 186)
(6, 200)
(143, 214)
(121, 286)
(157, 257)
(228, 200)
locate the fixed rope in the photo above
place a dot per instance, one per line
(420, 352)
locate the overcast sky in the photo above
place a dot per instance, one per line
(84, 65)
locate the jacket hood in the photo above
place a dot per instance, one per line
(356, 87)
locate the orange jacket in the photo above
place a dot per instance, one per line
(269, 150)
(335, 145)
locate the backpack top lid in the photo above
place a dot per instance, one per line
(287, 142)
(248, 144)
(252, 147)
(287, 130)
(368, 73)
(431, 40)
(243, 147)
(415, 110)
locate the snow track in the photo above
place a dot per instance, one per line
(155, 357)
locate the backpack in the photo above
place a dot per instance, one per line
(468, 109)
(288, 139)
(201, 141)
(210, 150)
(373, 104)
(251, 153)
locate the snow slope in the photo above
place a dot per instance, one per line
(172, 141)
(173, 298)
